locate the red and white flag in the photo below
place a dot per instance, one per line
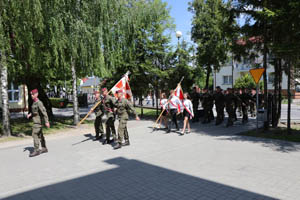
(123, 84)
(179, 92)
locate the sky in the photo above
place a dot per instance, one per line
(182, 18)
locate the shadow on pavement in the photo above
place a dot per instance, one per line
(232, 134)
(133, 179)
(30, 149)
(89, 137)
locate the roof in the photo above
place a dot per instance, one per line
(91, 81)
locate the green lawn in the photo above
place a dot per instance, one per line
(279, 133)
(147, 113)
(23, 127)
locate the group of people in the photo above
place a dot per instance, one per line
(240, 100)
(230, 100)
(105, 105)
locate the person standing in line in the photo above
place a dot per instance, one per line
(163, 105)
(188, 113)
(38, 111)
(175, 109)
(108, 105)
(219, 99)
(99, 112)
(123, 108)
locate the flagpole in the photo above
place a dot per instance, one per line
(167, 103)
(92, 109)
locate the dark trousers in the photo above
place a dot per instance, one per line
(207, 115)
(110, 128)
(220, 114)
(173, 113)
(245, 113)
(98, 126)
(230, 110)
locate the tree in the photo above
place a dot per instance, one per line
(3, 83)
(209, 26)
(277, 25)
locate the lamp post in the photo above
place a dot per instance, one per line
(178, 35)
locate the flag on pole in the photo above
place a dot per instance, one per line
(123, 84)
(179, 94)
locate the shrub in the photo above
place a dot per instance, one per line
(59, 102)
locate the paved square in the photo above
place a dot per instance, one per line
(209, 163)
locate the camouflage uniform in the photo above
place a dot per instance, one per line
(206, 104)
(38, 111)
(219, 99)
(246, 99)
(230, 100)
(99, 112)
(123, 108)
(108, 104)
(195, 96)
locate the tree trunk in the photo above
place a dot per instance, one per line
(279, 91)
(275, 95)
(75, 99)
(34, 83)
(207, 77)
(4, 94)
(289, 99)
(266, 114)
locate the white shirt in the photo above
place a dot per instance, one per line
(163, 103)
(188, 105)
(175, 103)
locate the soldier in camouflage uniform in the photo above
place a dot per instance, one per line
(108, 104)
(211, 105)
(219, 99)
(230, 99)
(123, 107)
(99, 112)
(206, 104)
(237, 103)
(195, 96)
(245, 99)
(252, 103)
(38, 111)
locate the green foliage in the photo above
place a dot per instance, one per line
(246, 81)
(59, 102)
(210, 24)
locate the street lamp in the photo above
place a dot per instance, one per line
(178, 35)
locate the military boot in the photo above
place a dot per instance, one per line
(126, 143)
(118, 146)
(44, 150)
(35, 153)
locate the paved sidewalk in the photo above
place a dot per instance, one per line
(209, 163)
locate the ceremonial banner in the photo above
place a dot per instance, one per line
(123, 84)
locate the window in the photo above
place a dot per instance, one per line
(227, 80)
(13, 93)
(271, 78)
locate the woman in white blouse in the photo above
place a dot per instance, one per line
(163, 105)
(187, 113)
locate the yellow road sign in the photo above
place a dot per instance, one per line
(256, 74)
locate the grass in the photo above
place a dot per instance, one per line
(147, 113)
(279, 133)
(22, 127)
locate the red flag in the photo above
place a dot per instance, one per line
(123, 85)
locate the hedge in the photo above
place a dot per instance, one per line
(59, 102)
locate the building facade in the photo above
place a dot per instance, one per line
(230, 72)
(18, 98)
